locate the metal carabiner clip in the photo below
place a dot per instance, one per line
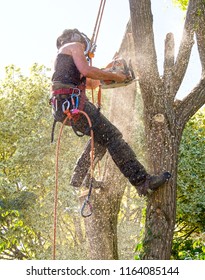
(76, 91)
(89, 211)
(75, 100)
(54, 103)
(65, 105)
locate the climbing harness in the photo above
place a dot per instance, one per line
(67, 97)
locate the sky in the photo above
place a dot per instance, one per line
(29, 29)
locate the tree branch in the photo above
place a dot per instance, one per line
(191, 104)
(169, 53)
(168, 65)
(200, 34)
(185, 48)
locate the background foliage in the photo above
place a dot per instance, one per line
(181, 3)
(190, 225)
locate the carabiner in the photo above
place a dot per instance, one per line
(76, 91)
(65, 105)
(74, 100)
(54, 103)
(86, 203)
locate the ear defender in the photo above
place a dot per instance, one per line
(75, 35)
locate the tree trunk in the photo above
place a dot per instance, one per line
(101, 227)
(164, 118)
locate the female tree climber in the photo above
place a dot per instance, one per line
(72, 73)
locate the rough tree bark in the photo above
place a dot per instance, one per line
(164, 117)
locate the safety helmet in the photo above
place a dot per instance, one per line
(74, 35)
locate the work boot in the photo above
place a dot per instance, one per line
(152, 183)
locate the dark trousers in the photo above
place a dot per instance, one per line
(108, 137)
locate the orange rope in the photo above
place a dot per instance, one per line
(69, 116)
(94, 40)
(99, 96)
(56, 189)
